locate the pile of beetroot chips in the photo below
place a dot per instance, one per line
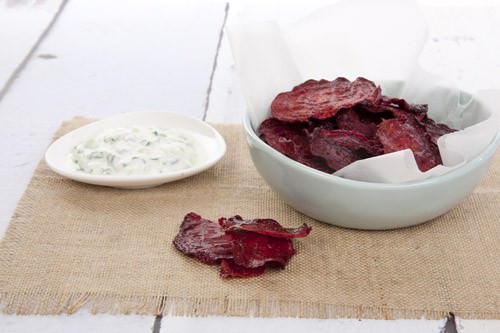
(243, 248)
(327, 125)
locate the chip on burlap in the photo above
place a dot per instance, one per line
(71, 245)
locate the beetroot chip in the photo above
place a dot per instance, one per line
(433, 129)
(243, 248)
(229, 269)
(292, 140)
(322, 99)
(400, 108)
(253, 250)
(391, 107)
(341, 147)
(327, 125)
(405, 132)
(288, 139)
(268, 227)
(203, 239)
(393, 102)
(359, 120)
(436, 130)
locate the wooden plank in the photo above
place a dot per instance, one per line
(103, 58)
(81, 322)
(22, 25)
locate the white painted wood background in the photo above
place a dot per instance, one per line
(96, 58)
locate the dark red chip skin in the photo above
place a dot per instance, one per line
(327, 125)
(203, 239)
(341, 147)
(322, 99)
(253, 250)
(406, 133)
(268, 227)
(244, 248)
(433, 129)
(292, 140)
(359, 120)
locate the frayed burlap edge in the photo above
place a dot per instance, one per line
(40, 304)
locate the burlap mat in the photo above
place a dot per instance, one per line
(71, 245)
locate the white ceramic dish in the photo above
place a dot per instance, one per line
(363, 205)
(58, 159)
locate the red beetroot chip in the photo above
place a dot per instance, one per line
(327, 125)
(203, 239)
(241, 252)
(359, 120)
(394, 102)
(253, 250)
(341, 147)
(292, 140)
(289, 139)
(391, 107)
(433, 129)
(322, 99)
(405, 132)
(268, 227)
(229, 269)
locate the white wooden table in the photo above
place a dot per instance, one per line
(97, 58)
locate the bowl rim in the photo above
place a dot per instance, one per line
(483, 156)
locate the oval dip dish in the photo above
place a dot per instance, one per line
(172, 133)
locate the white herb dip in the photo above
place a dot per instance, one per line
(137, 151)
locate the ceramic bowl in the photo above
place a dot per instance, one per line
(364, 205)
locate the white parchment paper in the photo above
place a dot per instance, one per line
(378, 40)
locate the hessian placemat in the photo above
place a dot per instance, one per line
(70, 245)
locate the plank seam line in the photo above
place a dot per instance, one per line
(214, 65)
(24, 62)
(157, 324)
